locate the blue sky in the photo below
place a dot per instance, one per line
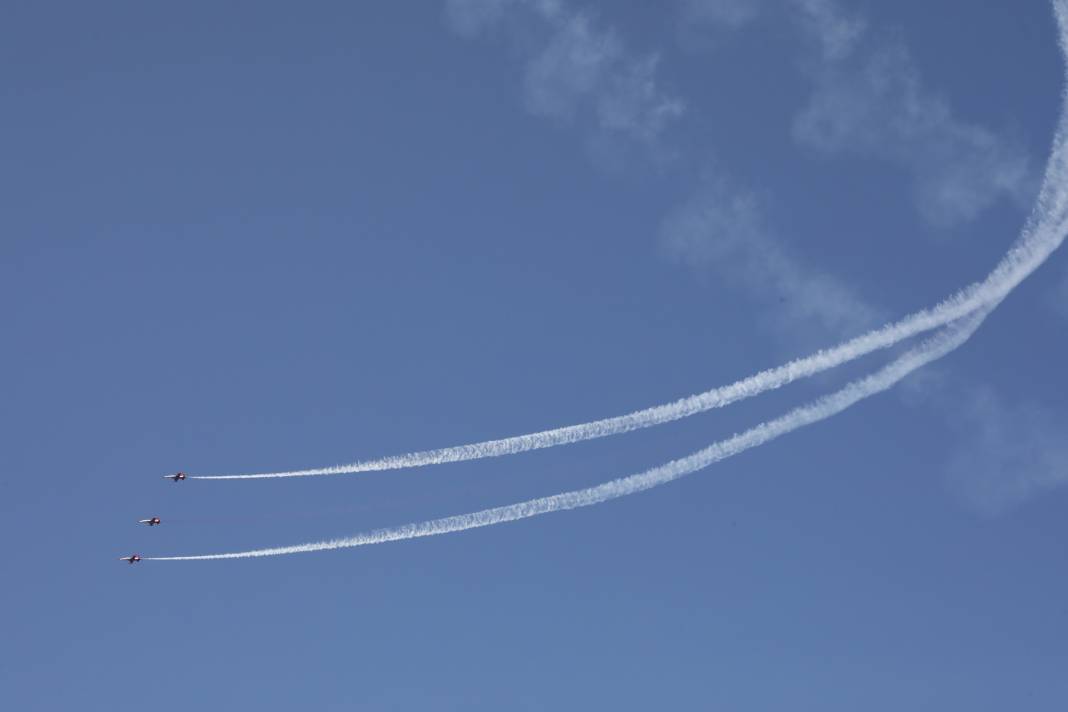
(256, 237)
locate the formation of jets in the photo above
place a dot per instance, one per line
(151, 521)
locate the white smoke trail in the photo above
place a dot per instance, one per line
(934, 348)
(1041, 236)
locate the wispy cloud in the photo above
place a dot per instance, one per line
(634, 105)
(869, 100)
(836, 31)
(877, 106)
(575, 69)
(1007, 452)
(722, 228)
(824, 21)
(573, 66)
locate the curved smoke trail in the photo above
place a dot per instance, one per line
(1041, 236)
(934, 348)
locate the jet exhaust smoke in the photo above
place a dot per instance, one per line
(936, 347)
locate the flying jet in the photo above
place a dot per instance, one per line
(150, 522)
(176, 476)
(132, 558)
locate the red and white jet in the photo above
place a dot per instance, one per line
(132, 558)
(176, 476)
(154, 521)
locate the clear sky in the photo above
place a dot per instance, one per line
(255, 236)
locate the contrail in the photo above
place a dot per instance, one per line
(934, 348)
(1041, 236)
